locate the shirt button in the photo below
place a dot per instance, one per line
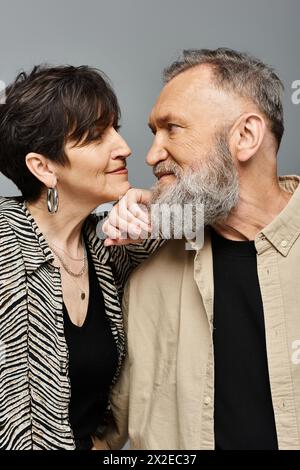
(207, 400)
(282, 404)
(284, 243)
(262, 237)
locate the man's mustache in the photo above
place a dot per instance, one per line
(166, 167)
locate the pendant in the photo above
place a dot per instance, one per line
(82, 295)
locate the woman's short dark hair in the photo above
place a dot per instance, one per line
(46, 108)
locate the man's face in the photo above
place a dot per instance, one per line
(185, 118)
(190, 154)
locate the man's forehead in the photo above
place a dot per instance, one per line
(183, 90)
(192, 91)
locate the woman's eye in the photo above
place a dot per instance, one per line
(172, 127)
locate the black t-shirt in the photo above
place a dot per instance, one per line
(93, 360)
(244, 417)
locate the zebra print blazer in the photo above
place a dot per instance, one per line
(34, 382)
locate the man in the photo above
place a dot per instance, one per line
(211, 332)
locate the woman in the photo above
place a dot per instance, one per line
(60, 316)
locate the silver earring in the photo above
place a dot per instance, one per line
(52, 200)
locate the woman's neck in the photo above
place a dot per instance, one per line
(62, 229)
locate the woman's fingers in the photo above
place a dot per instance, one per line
(128, 221)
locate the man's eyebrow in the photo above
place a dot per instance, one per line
(162, 120)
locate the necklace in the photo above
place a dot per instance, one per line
(82, 292)
(74, 259)
(67, 269)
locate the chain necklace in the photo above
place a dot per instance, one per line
(67, 269)
(73, 259)
(82, 292)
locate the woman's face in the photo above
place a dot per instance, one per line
(97, 172)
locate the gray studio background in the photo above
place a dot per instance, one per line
(132, 40)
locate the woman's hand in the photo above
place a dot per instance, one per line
(129, 220)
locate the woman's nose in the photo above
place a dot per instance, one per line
(123, 150)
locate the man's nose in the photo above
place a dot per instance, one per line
(156, 154)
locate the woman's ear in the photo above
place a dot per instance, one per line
(41, 168)
(246, 136)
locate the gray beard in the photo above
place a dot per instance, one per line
(211, 190)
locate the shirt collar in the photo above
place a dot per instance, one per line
(284, 230)
(34, 247)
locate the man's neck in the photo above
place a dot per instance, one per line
(257, 207)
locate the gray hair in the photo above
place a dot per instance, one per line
(240, 73)
(212, 186)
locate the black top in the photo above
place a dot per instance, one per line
(93, 361)
(244, 417)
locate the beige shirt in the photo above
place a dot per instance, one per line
(165, 395)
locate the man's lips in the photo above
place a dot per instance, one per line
(161, 175)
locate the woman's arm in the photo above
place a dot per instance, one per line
(128, 231)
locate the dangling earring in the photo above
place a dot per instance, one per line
(52, 200)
